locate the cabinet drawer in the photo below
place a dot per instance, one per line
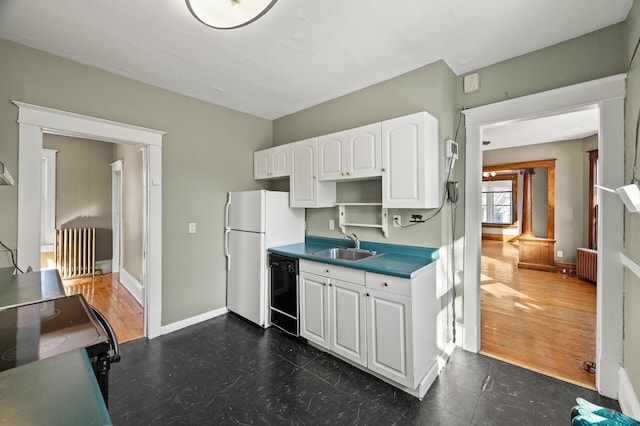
(388, 283)
(333, 271)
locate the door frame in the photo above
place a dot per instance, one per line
(608, 95)
(116, 214)
(33, 122)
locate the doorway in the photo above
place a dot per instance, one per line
(608, 94)
(33, 122)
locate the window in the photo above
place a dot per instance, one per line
(498, 195)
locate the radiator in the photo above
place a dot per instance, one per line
(75, 252)
(587, 264)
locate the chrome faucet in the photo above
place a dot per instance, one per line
(356, 241)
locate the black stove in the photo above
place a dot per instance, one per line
(40, 330)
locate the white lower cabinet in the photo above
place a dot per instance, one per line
(347, 317)
(332, 311)
(389, 336)
(382, 323)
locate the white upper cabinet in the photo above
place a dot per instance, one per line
(305, 189)
(350, 154)
(272, 163)
(411, 176)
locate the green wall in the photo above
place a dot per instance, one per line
(207, 152)
(632, 221)
(594, 55)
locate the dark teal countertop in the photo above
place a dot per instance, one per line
(61, 390)
(396, 260)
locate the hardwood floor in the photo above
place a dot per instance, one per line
(105, 292)
(542, 321)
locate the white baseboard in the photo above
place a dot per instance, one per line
(178, 325)
(104, 265)
(627, 397)
(132, 286)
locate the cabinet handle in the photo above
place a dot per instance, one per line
(313, 177)
(383, 169)
(330, 285)
(367, 294)
(348, 173)
(386, 284)
(342, 173)
(327, 271)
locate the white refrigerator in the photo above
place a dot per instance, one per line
(254, 222)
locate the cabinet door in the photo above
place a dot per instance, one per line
(348, 320)
(314, 311)
(331, 156)
(363, 152)
(389, 336)
(411, 172)
(261, 164)
(271, 163)
(303, 188)
(281, 165)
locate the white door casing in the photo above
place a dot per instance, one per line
(33, 122)
(116, 214)
(607, 94)
(48, 217)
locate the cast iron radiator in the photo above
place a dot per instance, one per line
(587, 264)
(75, 252)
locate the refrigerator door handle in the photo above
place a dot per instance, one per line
(226, 248)
(226, 213)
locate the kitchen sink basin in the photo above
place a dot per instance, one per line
(350, 254)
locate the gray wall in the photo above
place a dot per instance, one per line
(131, 256)
(83, 187)
(207, 151)
(632, 221)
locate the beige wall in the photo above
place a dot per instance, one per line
(570, 205)
(632, 221)
(131, 256)
(83, 187)
(207, 151)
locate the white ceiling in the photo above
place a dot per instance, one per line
(302, 52)
(561, 127)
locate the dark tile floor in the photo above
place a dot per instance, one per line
(228, 371)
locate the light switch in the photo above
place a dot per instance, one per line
(332, 224)
(192, 228)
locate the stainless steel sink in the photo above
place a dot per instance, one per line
(350, 254)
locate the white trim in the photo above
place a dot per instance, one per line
(608, 95)
(48, 200)
(628, 400)
(35, 120)
(132, 285)
(631, 264)
(178, 325)
(116, 214)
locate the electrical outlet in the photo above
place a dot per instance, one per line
(397, 221)
(560, 253)
(192, 228)
(332, 224)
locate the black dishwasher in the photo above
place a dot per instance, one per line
(284, 292)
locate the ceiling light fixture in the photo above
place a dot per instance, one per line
(228, 14)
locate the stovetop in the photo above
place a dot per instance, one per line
(36, 331)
